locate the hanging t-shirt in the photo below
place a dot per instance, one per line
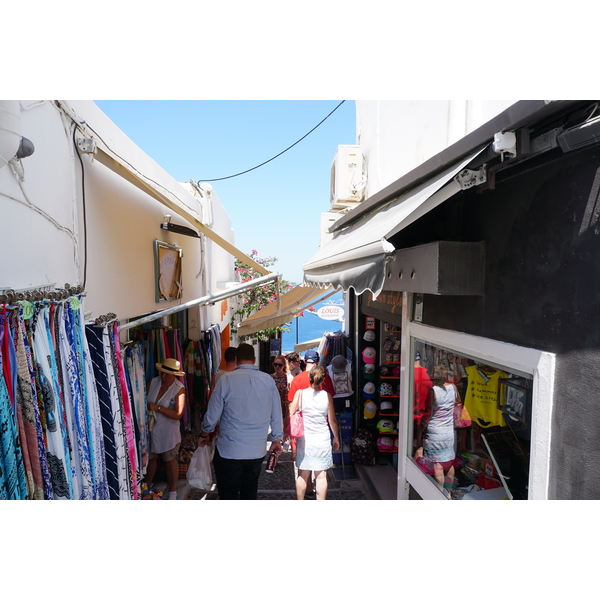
(342, 381)
(481, 397)
(422, 386)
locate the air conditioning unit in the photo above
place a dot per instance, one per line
(347, 183)
(327, 220)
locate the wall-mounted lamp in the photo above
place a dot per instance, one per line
(26, 148)
(168, 226)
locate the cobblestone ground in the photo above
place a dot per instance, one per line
(280, 485)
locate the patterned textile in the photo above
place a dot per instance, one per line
(123, 463)
(283, 389)
(83, 485)
(59, 462)
(13, 484)
(134, 361)
(27, 415)
(93, 412)
(94, 336)
(128, 413)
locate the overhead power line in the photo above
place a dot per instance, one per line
(277, 155)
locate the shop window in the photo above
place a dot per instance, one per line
(480, 453)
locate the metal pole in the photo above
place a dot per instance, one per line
(211, 298)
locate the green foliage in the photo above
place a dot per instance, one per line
(258, 297)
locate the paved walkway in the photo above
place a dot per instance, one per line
(280, 485)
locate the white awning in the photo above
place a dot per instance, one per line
(284, 309)
(356, 256)
(300, 348)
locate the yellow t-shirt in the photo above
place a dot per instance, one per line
(481, 397)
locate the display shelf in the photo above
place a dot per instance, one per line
(392, 396)
(389, 451)
(382, 415)
(389, 377)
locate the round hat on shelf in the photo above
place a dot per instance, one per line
(385, 426)
(370, 409)
(368, 370)
(369, 354)
(369, 390)
(385, 389)
(385, 443)
(386, 407)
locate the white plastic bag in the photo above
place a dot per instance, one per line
(199, 474)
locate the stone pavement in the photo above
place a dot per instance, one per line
(280, 485)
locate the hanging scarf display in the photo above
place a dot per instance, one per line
(68, 428)
(13, 483)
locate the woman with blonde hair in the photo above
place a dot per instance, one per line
(314, 450)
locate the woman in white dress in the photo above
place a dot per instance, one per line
(166, 399)
(314, 450)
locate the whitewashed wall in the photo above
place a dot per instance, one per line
(398, 135)
(42, 221)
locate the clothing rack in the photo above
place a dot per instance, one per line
(11, 296)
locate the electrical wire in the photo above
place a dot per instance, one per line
(277, 155)
(85, 256)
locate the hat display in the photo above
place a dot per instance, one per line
(386, 407)
(311, 356)
(368, 371)
(369, 354)
(385, 443)
(370, 409)
(338, 364)
(385, 426)
(369, 335)
(171, 366)
(369, 390)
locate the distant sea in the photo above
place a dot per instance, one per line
(310, 326)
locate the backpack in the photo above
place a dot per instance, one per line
(362, 448)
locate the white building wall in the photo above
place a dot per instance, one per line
(396, 136)
(43, 221)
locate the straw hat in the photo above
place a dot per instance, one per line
(170, 366)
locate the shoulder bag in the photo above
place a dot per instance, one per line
(297, 421)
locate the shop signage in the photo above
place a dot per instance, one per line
(331, 312)
(275, 347)
(388, 301)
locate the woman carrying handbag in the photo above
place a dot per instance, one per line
(314, 449)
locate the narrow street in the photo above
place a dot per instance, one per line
(280, 485)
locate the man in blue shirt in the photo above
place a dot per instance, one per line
(244, 402)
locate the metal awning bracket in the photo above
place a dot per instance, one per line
(468, 178)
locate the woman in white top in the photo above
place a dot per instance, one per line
(166, 399)
(313, 451)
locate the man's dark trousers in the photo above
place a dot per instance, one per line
(237, 479)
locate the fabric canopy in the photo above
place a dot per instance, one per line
(356, 256)
(284, 309)
(299, 348)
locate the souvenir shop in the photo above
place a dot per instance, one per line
(451, 412)
(72, 395)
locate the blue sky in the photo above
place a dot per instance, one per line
(274, 209)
